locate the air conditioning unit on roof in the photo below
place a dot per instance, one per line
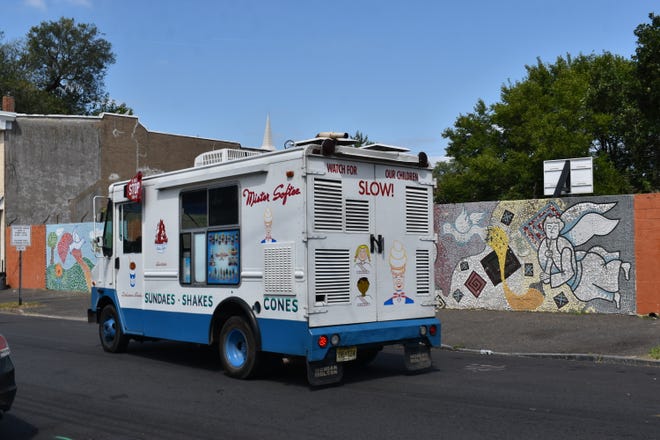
(221, 156)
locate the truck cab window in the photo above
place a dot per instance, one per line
(107, 230)
(131, 228)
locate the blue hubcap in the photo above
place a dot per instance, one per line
(236, 348)
(109, 329)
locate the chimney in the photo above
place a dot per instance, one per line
(8, 104)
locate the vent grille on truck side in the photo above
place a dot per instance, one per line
(332, 279)
(423, 269)
(357, 215)
(418, 220)
(278, 269)
(328, 205)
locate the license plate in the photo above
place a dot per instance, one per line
(345, 354)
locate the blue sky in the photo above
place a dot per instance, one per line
(400, 72)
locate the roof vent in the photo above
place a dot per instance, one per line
(222, 156)
(384, 147)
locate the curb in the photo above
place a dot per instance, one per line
(41, 315)
(18, 311)
(596, 358)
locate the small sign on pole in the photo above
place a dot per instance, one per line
(21, 237)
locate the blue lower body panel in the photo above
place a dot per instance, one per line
(295, 338)
(176, 326)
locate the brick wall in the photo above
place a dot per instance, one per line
(34, 260)
(647, 252)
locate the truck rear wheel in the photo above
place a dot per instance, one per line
(112, 337)
(238, 349)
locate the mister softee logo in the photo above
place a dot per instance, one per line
(280, 192)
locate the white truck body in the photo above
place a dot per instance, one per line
(316, 241)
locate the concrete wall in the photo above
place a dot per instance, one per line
(48, 162)
(504, 256)
(55, 165)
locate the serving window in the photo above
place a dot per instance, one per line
(209, 253)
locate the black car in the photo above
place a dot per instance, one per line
(7, 381)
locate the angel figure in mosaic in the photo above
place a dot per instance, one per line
(590, 274)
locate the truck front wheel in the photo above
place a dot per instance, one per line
(112, 337)
(238, 348)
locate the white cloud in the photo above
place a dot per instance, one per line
(84, 3)
(42, 5)
(36, 4)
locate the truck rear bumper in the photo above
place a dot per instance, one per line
(290, 337)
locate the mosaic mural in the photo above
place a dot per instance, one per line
(70, 256)
(571, 254)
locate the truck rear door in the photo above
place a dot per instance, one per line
(370, 242)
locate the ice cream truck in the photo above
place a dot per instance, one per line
(322, 251)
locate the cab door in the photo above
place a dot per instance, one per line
(129, 264)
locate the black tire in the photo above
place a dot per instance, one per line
(113, 339)
(238, 349)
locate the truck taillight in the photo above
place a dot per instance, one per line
(322, 341)
(4, 347)
(431, 330)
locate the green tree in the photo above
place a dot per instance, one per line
(51, 243)
(58, 68)
(604, 106)
(645, 145)
(69, 61)
(574, 107)
(361, 139)
(111, 106)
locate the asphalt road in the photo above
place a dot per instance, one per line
(68, 388)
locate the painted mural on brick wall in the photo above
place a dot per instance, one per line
(70, 256)
(572, 254)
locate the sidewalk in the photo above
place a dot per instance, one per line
(597, 337)
(47, 303)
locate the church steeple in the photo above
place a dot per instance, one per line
(268, 138)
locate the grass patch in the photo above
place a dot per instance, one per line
(15, 306)
(655, 352)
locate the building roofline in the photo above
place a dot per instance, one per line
(6, 120)
(10, 117)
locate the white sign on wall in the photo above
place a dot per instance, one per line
(21, 236)
(581, 175)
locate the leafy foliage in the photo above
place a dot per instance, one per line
(59, 68)
(361, 139)
(603, 106)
